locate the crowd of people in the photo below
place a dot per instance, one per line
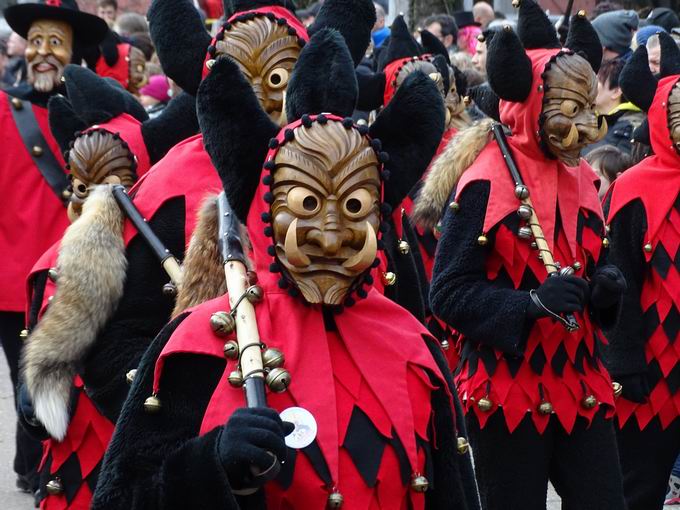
(268, 257)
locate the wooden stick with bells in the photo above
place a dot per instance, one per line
(527, 212)
(256, 367)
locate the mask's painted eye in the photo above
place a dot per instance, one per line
(569, 107)
(37, 41)
(278, 78)
(303, 202)
(357, 204)
(55, 41)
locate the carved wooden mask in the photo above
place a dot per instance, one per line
(326, 209)
(453, 102)
(266, 54)
(48, 51)
(569, 121)
(674, 116)
(425, 66)
(138, 73)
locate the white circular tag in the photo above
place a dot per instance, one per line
(305, 427)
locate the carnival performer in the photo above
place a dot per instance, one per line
(644, 214)
(520, 272)
(311, 206)
(32, 177)
(122, 62)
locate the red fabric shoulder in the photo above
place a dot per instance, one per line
(120, 71)
(130, 130)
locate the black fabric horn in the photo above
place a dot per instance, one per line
(582, 38)
(323, 79)
(236, 131)
(670, 56)
(181, 41)
(486, 100)
(637, 82)
(64, 123)
(534, 28)
(443, 67)
(508, 67)
(354, 19)
(176, 122)
(433, 45)
(401, 44)
(371, 90)
(410, 129)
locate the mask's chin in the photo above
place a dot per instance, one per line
(324, 288)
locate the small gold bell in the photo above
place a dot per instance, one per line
(273, 358)
(130, 376)
(419, 483)
(335, 500)
(16, 102)
(152, 405)
(236, 379)
(581, 13)
(618, 388)
(404, 247)
(66, 194)
(54, 487)
(545, 408)
(484, 404)
(222, 323)
(648, 247)
(278, 380)
(462, 445)
(481, 38)
(589, 401)
(254, 294)
(169, 289)
(445, 345)
(482, 240)
(24, 334)
(389, 278)
(230, 349)
(210, 63)
(605, 242)
(454, 206)
(37, 151)
(576, 265)
(52, 274)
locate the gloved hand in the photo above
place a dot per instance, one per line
(634, 387)
(26, 414)
(247, 440)
(560, 294)
(607, 285)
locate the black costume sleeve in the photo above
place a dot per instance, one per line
(142, 312)
(461, 294)
(625, 354)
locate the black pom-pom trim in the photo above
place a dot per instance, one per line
(293, 292)
(301, 42)
(269, 165)
(281, 21)
(321, 119)
(385, 174)
(376, 144)
(381, 245)
(283, 283)
(227, 26)
(306, 121)
(273, 143)
(270, 16)
(267, 180)
(268, 197)
(363, 130)
(268, 231)
(271, 250)
(385, 209)
(212, 50)
(67, 166)
(350, 302)
(362, 293)
(291, 31)
(383, 157)
(289, 135)
(220, 35)
(347, 123)
(384, 227)
(266, 217)
(274, 268)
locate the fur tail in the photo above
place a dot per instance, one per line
(446, 171)
(203, 273)
(91, 269)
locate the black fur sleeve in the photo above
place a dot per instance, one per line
(142, 312)
(625, 354)
(460, 292)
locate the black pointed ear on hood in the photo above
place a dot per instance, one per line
(176, 122)
(670, 56)
(461, 81)
(637, 82)
(582, 38)
(433, 45)
(95, 100)
(401, 44)
(410, 129)
(323, 79)
(236, 132)
(371, 90)
(354, 19)
(534, 28)
(181, 41)
(508, 67)
(486, 100)
(64, 123)
(440, 63)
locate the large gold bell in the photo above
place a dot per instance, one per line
(484, 404)
(482, 240)
(236, 379)
(335, 500)
(222, 323)
(273, 358)
(605, 242)
(545, 408)
(152, 405)
(404, 247)
(254, 294)
(419, 483)
(618, 388)
(54, 487)
(24, 334)
(589, 401)
(130, 376)
(462, 445)
(230, 349)
(278, 380)
(389, 278)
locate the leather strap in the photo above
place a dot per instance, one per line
(37, 147)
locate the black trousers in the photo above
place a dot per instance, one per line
(513, 469)
(28, 450)
(647, 458)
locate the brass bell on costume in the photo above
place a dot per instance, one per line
(419, 483)
(66, 194)
(521, 192)
(169, 289)
(545, 408)
(484, 404)
(589, 401)
(524, 233)
(389, 278)
(462, 445)
(16, 102)
(454, 206)
(404, 247)
(278, 380)
(482, 240)
(222, 323)
(618, 389)
(648, 247)
(52, 274)
(605, 242)
(236, 379)
(24, 334)
(152, 405)
(273, 358)
(130, 376)
(445, 345)
(230, 349)
(524, 212)
(576, 265)
(254, 294)
(54, 487)
(335, 500)
(37, 151)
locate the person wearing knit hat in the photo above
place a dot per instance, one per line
(643, 35)
(155, 92)
(615, 30)
(663, 17)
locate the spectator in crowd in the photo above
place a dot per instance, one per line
(608, 162)
(468, 30)
(615, 30)
(483, 14)
(605, 6)
(107, 10)
(130, 23)
(654, 53)
(444, 28)
(622, 116)
(154, 95)
(479, 58)
(643, 35)
(308, 15)
(663, 17)
(380, 32)
(14, 72)
(3, 56)
(142, 40)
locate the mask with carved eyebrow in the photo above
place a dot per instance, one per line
(568, 119)
(138, 72)
(674, 116)
(326, 210)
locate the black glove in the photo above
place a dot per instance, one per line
(607, 285)
(247, 440)
(560, 294)
(27, 414)
(634, 387)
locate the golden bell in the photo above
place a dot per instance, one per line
(230, 349)
(254, 294)
(236, 379)
(454, 206)
(618, 389)
(273, 358)
(581, 13)
(545, 408)
(482, 240)
(404, 247)
(152, 405)
(210, 63)
(389, 278)
(419, 483)
(16, 102)
(278, 380)
(130, 376)
(335, 500)
(52, 274)
(222, 323)
(589, 401)
(648, 247)
(605, 242)
(481, 38)
(169, 289)
(54, 487)
(462, 445)
(445, 345)
(37, 151)
(484, 404)
(576, 265)
(24, 334)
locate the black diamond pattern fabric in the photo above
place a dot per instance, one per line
(661, 261)
(365, 446)
(671, 324)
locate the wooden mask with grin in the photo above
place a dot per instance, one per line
(326, 209)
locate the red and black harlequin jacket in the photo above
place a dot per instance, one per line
(644, 218)
(482, 291)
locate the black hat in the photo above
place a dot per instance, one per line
(87, 28)
(465, 19)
